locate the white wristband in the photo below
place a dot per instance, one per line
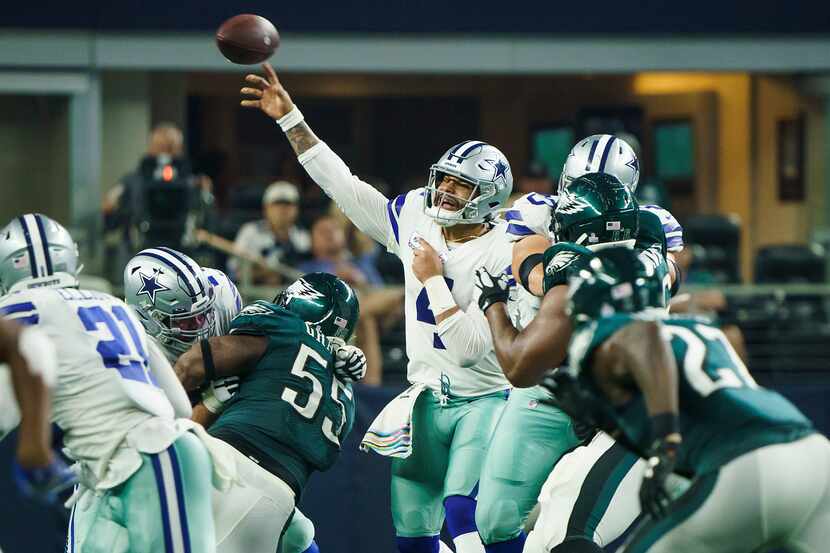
(440, 298)
(291, 119)
(211, 402)
(39, 352)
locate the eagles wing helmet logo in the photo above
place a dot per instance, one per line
(302, 289)
(571, 203)
(560, 261)
(150, 286)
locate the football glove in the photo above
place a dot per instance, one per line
(493, 289)
(654, 499)
(44, 483)
(219, 392)
(349, 363)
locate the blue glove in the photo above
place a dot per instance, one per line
(44, 483)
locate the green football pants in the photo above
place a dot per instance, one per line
(164, 507)
(449, 443)
(528, 441)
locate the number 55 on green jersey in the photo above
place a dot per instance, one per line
(290, 413)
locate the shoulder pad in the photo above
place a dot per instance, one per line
(650, 234)
(671, 228)
(560, 259)
(261, 318)
(530, 214)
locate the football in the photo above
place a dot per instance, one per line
(247, 39)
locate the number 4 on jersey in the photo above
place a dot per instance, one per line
(425, 314)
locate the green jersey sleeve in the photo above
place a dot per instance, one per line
(650, 235)
(560, 259)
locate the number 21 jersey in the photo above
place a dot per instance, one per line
(104, 384)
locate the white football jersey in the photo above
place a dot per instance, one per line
(398, 224)
(428, 361)
(228, 302)
(104, 386)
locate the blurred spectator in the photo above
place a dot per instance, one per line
(276, 238)
(330, 254)
(535, 179)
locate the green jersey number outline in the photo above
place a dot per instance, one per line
(702, 382)
(309, 410)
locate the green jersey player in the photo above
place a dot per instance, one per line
(675, 391)
(292, 408)
(583, 513)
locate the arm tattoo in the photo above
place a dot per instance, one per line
(301, 138)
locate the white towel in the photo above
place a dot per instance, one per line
(391, 432)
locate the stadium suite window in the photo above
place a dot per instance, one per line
(674, 159)
(551, 145)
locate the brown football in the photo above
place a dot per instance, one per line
(247, 39)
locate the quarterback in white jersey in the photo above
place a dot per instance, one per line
(441, 233)
(122, 410)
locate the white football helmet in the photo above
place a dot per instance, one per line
(601, 153)
(172, 296)
(37, 252)
(481, 165)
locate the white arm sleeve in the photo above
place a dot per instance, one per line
(167, 381)
(466, 335)
(363, 204)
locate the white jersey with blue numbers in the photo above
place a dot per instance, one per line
(399, 224)
(228, 302)
(105, 383)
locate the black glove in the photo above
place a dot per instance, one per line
(493, 289)
(662, 456)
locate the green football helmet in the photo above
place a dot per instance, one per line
(325, 301)
(616, 280)
(596, 209)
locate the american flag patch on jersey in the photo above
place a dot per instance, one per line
(340, 322)
(20, 261)
(612, 225)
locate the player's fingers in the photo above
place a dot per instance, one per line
(256, 92)
(270, 73)
(257, 80)
(250, 103)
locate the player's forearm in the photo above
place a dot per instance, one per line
(650, 362)
(507, 344)
(32, 393)
(31, 390)
(301, 138)
(203, 415)
(465, 339)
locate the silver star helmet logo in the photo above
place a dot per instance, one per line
(302, 289)
(150, 286)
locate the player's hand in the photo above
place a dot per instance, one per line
(44, 483)
(654, 499)
(266, 93)
(494, 289)
(349, 363)
(427, 263)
